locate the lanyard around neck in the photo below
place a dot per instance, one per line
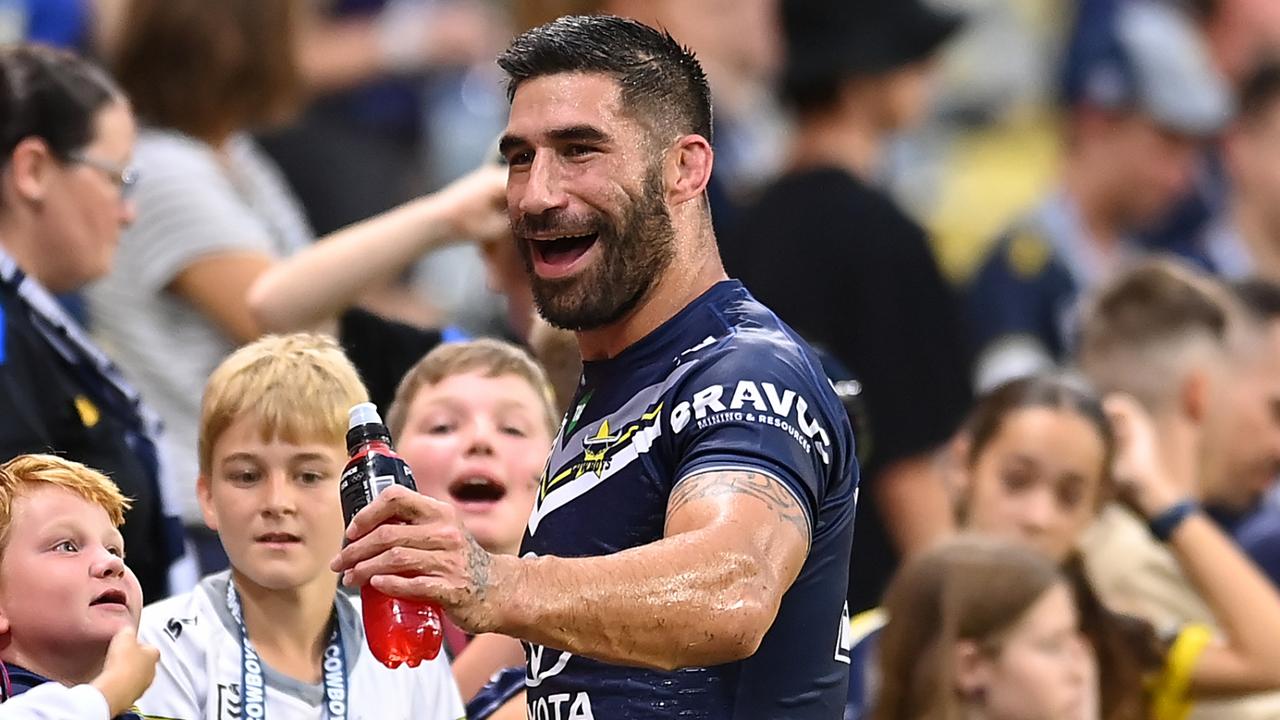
(253, 686)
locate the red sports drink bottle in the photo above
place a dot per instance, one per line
(398, 631)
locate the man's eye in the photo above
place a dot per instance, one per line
(522, 157)
(67, 546)
(579, 150)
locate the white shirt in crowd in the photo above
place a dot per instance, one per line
(199, 671)
(191, 203)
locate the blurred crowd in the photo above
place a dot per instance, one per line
(1037, 242)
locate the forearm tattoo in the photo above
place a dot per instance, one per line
(764, 488)
(477, 567)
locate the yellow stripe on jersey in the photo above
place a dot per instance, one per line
(1169, 691)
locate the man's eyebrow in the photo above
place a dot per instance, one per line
(571, 133)
(579, 133)
(509, 143)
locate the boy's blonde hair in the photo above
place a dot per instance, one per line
(296, 387)
(20, 475)
(492, 358)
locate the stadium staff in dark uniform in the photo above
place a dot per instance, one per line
(687, 554)
(836, 257)
(66, 134)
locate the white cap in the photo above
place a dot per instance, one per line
(363, 414)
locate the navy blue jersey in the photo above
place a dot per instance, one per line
(1024, 289)
(723, 385)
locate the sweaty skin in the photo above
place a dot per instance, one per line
(707, 592)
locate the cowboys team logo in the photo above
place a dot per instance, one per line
(604, 453)
(595, 451)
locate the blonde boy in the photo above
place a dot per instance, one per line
(68, 604)
(271, 449)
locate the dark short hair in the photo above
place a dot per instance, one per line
(1260, 90)
(50, 94)
(663, 85)
(209, 67)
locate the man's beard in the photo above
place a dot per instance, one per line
(634, 254)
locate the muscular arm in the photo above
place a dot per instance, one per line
(705, 594)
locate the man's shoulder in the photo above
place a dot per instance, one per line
(753, 339)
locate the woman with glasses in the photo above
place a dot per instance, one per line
(67, 135)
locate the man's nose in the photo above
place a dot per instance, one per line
(543, 188)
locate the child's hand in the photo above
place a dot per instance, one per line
(127, 672)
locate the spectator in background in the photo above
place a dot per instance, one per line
(984, 630)
(1259, 532)
(67, 141)
(356, 151)
(1140, 104)
(214, 214)
(407, 99)
(1034, 464)
(1239, 35)
(837, 259)
(1244, 239)
(1204, 370)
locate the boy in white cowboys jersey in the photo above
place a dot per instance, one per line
(271, 451)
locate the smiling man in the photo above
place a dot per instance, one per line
(687, 554)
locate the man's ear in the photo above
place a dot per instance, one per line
(30, 167)
(1194, 396)
(688, 168)
(204, 492)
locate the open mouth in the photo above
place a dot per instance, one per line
(277, 537)
(562, 251)
(477, 490)
(111, 597)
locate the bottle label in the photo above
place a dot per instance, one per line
(368, 475)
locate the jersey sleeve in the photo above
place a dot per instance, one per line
(437, 697)
(52, 701)
(763, 412)
(173, 694)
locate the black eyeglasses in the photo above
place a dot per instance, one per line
(124, 177)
